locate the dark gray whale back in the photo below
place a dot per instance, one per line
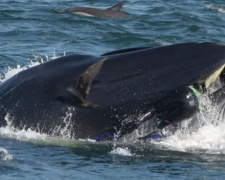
(123, 84)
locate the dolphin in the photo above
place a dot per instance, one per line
(112, 12)
(85, 95)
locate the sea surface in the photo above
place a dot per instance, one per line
(30, 31)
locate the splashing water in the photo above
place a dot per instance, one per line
(36, 137)
(207, 139)
(215, 8)
(29, 134)
(4, 155)
(205, 133)
(23, 135)
(65, 129)
(37, 60)
(122, 151)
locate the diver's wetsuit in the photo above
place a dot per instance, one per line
(180, 104)
(177, 106)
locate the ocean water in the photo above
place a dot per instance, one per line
(31, 31)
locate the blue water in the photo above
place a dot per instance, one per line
(31, 30)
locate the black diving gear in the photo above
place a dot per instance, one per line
(176, 106)
(179, 105)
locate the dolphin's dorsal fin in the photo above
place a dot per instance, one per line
(117, 7)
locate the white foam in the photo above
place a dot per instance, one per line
(208, 139)
(122, 151)
(37, 60)
(4, 155)
(208, 136)
(66, 127)
(215, 8)
(27, 134)
(23, 135)
(12, 71)
(38, 138)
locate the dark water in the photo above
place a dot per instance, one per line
(96, 161)
(32, 27)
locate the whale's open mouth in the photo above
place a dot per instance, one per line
(130, 83)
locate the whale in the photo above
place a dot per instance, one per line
(84, 95)
(112, 12)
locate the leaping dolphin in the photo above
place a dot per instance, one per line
(105, 91)
(112, 12)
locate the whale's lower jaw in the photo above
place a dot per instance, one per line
(83, 14)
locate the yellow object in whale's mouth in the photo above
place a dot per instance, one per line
(211, 78)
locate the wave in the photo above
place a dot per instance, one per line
(4, 155)
(216, 8)
(122, 151)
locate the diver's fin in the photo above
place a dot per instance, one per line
(155, 135)
(117, 7)
(108, 134)
(147, 116)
